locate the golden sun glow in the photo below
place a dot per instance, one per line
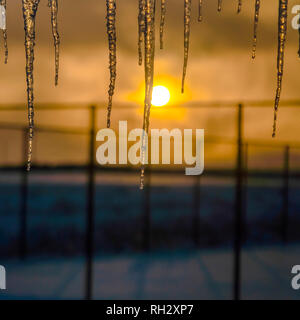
(173, 85)
(160, 96)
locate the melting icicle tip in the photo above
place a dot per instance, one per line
(187, 27)
(149, 39)
(239, 6)
(200, 5)
(30, 8)
(219, 5)
(282, 31)
(256, 18)
(112, 46)
(53, 5)
(3, 28)
(162, 22)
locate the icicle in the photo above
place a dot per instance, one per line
(239, 6)
(112, 39)
(187, 26)
(219, 5)
(53, 5)
(3, 28)
(256, 17)
(200, 17)
(282, 30)
(141, 28)
(299, 39)
(149, 38)
(162, 22)
(29, 13)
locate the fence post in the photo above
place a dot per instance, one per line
(147, 211)
(238, 223)
(90, 212)
(245, 189)
(196, 219)
(23, 200)
(285, 194)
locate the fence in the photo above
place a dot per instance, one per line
(241, 174)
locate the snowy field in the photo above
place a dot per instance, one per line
(57, 213)
(203, 274)
(174, 269)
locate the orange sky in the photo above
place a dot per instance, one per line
(220, 67)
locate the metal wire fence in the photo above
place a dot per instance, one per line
(241, 174)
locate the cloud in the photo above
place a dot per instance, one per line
(220, 65)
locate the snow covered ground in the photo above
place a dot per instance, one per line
(202, 274)
(57, 215)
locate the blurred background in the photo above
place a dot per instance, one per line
(231, 233)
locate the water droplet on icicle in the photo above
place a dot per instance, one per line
(187, 27)
(29, 14)
(200, 4)
(162, 22)
(239, 6)
(53, 5)
(141, 29)
(112, 44)
(3, 28)
(219, 5)
(149, 38)
(256, 18)
(282, 30)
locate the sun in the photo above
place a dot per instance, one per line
(160, 96)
